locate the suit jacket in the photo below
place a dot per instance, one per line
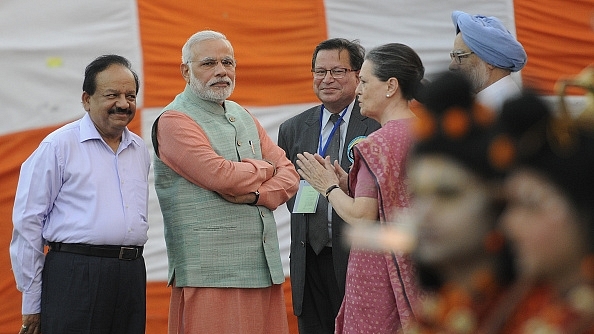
(301, 134)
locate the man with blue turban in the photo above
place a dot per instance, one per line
(487, 53)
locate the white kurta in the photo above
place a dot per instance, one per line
(497, 93)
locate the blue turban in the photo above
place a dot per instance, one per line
(488, 38)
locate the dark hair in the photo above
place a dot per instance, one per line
(355, 50)
(99, 65)
(395, 60)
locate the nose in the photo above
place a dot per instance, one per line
(420, 220)
(506, 220)
(453, 65)
(328, 77)
(424, 208)
(122, 102)
(219, 69)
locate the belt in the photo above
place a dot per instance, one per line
(118, 252)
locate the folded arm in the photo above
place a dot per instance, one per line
(186, 149)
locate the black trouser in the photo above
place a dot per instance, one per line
(321, 297)
(94, 295)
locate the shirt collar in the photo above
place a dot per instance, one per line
(88, 131)
(345, 118)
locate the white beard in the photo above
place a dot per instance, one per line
(205, 92)
(479, 76)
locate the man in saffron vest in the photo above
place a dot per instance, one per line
(218, 177)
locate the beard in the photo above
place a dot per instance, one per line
(478, 76)
(205, 92)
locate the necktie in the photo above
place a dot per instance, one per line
(318, 222)
(334, 147)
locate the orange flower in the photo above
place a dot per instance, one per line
(501, 152)
(482, 115)
(455, 122)
(423, 126)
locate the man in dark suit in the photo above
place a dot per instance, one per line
(319, 256)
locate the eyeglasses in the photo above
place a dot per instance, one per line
(210, 63)
(336, 73)
(459, 55)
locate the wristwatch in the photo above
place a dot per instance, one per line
(257, 193)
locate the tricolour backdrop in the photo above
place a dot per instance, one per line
(45, 46)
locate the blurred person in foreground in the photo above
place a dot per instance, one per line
(455, 171)
(319, 254)
(550, 216)
(381, 288)
(486, 52)
(218, 177)
(84, 193)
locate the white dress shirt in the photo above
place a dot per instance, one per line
(497, 93)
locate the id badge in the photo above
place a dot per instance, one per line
(306, 200)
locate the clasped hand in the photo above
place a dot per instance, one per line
(319, 172)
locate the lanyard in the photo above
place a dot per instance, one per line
(322, 150)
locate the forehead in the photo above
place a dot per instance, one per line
(333, 58)
(459, 43)
(526, 180)
(367, 68)
(435, 170)
(115, 77)
(212, 48)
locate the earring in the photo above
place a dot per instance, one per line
(387, 95)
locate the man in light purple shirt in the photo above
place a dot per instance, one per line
(84, 194)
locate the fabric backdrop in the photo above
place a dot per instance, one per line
(45, 46)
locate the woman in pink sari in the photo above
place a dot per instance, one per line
(381, 288)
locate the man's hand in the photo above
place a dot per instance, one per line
(273, 165)
(31, 324)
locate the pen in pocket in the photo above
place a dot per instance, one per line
(252, 145)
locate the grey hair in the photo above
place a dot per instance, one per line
(196, 38)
